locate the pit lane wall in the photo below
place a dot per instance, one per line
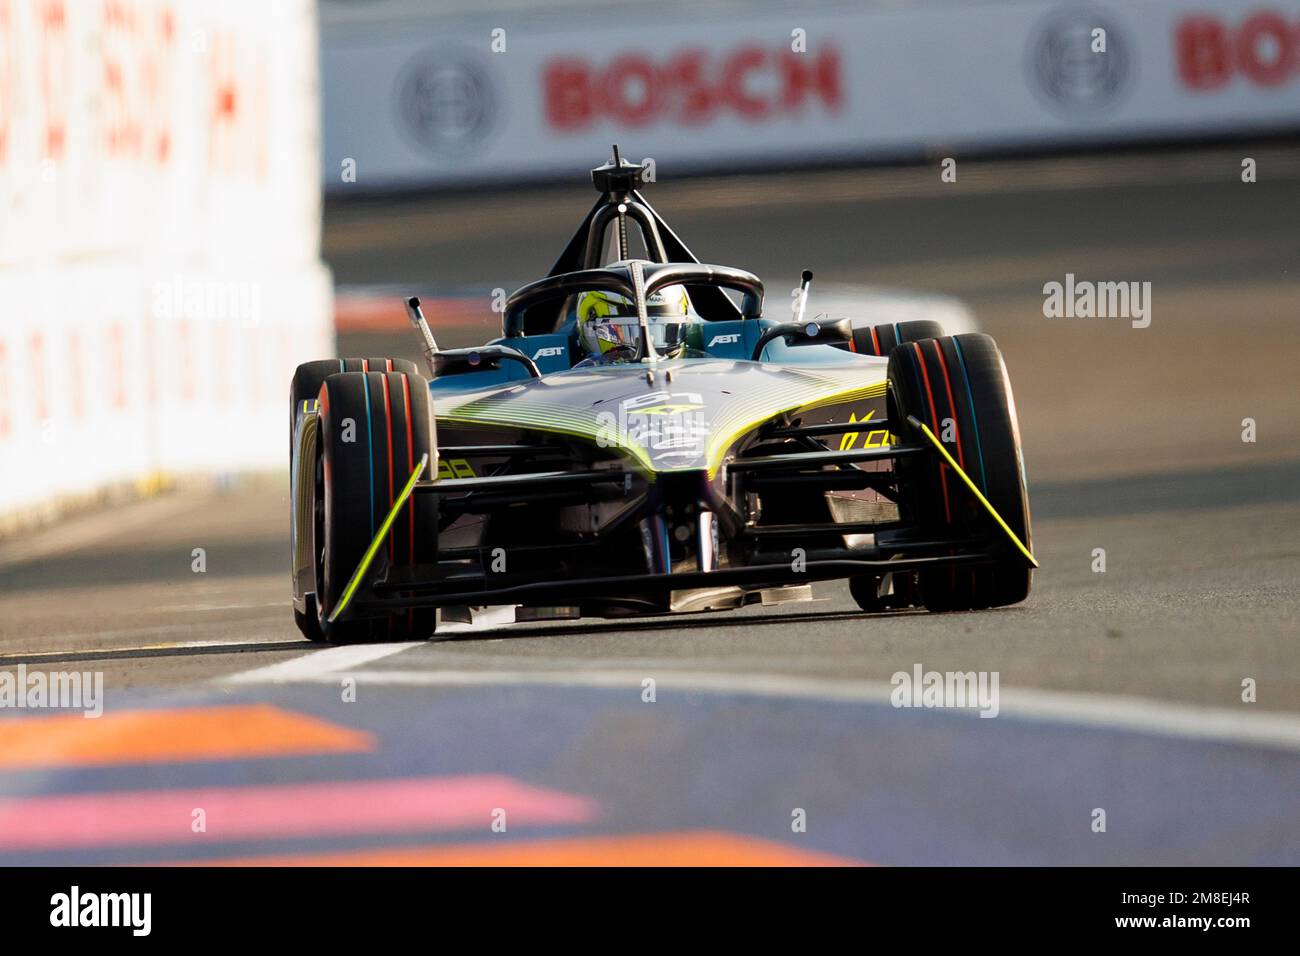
(159, 241)
(415, 98)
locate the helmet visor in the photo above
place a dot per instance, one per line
(667, 334)
(616, 332)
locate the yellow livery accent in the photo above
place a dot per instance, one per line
(369, 556)
(971, 485)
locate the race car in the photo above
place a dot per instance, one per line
(642, 439)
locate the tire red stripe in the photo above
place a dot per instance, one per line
(410, 458)
(934, 421)
(410, 505)
(947, 381)
(392, 492)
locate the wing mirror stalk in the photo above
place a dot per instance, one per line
(481, 359)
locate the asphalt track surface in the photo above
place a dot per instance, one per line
(1119, 690)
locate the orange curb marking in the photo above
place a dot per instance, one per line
(702, 848)
(166, 735)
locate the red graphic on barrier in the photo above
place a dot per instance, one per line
(1264, 48)
(56, 79)
(239, 124)
(117, 365)
(76, 376)
(5, 421)
(185, 350)
(9, 76)
(39, 390)
(691, 87)
(138, 54)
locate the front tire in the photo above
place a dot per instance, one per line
(304, 390)
(959, 387)
(374, 428)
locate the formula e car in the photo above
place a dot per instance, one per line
(763, 455)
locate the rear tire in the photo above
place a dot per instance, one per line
(895, 591)
(374, 428)
(881, 339)
(962, 380)
(310, 376)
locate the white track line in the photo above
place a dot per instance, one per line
(1261, 727)
(327, 663)
(319, 666)
(1134, 714)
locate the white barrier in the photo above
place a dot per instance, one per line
(415, 99)
(159, 237)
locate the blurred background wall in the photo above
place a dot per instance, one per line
(421, 95)
(159, 239)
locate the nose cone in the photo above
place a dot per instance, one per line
(685, 422)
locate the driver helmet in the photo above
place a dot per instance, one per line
(607, 322)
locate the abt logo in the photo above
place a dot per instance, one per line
(730, 339)
(1264, 48)
(691, 87)
(548, 351)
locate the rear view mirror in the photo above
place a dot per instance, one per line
(814, 332)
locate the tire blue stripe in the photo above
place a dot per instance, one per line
(979, 449)
(370, 453)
